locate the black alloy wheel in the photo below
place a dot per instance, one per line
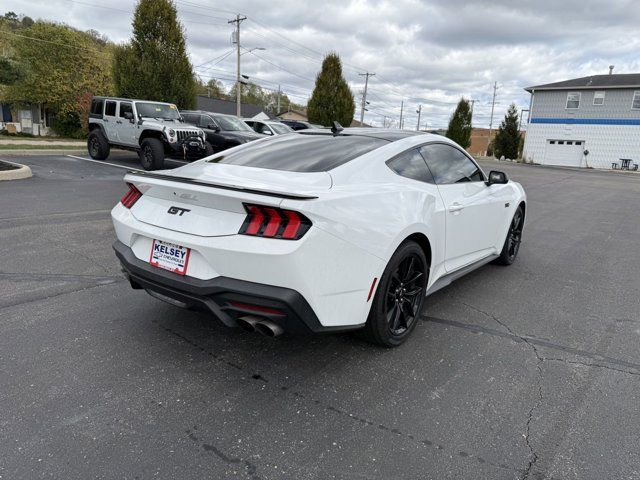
(397, 304)
(404, 294)
(514, 239)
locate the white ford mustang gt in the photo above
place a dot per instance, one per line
(317, 232)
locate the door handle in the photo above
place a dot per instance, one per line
(455, 207)
(118, 121)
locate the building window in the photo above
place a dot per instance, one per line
(598, 98)
(573, 100)
(636, 101)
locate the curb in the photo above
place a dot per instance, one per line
(22, 172)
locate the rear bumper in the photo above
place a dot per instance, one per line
(226, 298)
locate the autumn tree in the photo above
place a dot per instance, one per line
(213, 88)
(155, 65)
(59, 68)
(459, 129)
(332, 99)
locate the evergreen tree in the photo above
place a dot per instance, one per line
(332, 99)
(154, 65)
(460, 124)
(507, 139)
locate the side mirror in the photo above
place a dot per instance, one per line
(497, 178)
(266, 131)
(129, 116)
(213, 127)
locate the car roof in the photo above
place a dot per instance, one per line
(119, 99)
(382, 133)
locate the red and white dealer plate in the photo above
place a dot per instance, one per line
(169, 256)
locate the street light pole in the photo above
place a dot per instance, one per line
(401, 109)
(419, 112)
(238, 20)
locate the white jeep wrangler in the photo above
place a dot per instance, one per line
(153, 129)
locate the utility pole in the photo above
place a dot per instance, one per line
(364, 95)
(238, 20)
(493, 104)
(278, 110)
(401, 108)
(473, 103)
(419, 112)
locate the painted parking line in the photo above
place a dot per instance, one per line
(116, 165)
(100, 162)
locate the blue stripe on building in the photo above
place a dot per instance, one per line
(588, 121)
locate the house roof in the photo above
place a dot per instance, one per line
(216, 105)
(618, 80)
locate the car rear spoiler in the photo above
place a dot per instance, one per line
(131, 175)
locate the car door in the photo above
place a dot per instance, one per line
(110, 118)
(474, 213)
(125, 129)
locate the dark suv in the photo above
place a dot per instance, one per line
(221, 131)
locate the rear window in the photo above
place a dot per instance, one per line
(298, 153)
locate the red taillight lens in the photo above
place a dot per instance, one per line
(272, 222)
(131, 197)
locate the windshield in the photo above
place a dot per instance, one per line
(157, 110)
(229, 123)
(281, 128)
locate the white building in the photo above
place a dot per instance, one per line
(585, 122)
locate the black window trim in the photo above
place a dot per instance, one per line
(436, 142)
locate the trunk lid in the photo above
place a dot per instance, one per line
(207, 199)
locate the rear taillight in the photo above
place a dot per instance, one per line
(131, 196)
(273, 222)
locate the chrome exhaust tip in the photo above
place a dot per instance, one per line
(268, 329)
(248, 324)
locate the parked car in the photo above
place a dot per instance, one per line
(221, 131)
(318, 232)
(153, 129)
(268, 127)
(300, 125)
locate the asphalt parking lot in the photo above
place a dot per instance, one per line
(529, 371)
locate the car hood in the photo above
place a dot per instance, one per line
(152, 122)
(247, 136)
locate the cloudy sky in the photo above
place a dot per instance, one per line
(427, 53)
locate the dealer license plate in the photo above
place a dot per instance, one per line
(170, 256)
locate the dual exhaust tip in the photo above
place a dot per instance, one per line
(260, 325)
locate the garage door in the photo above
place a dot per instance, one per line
(567, 153)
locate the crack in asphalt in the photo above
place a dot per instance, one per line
(539, 360)
(585, 364)
(66, 292)
(47, 277)
(535, 341)
(207, 447)
(424, 442)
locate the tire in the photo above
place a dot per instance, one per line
(397, 304)
(98, 145)
(514, 238)
(152, 154)
(208, 149)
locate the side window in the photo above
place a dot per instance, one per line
(205, 121)
(410, 164)
(125, 107)
(189, 118)
(449, 165)
(97, 104)
(110, 109)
